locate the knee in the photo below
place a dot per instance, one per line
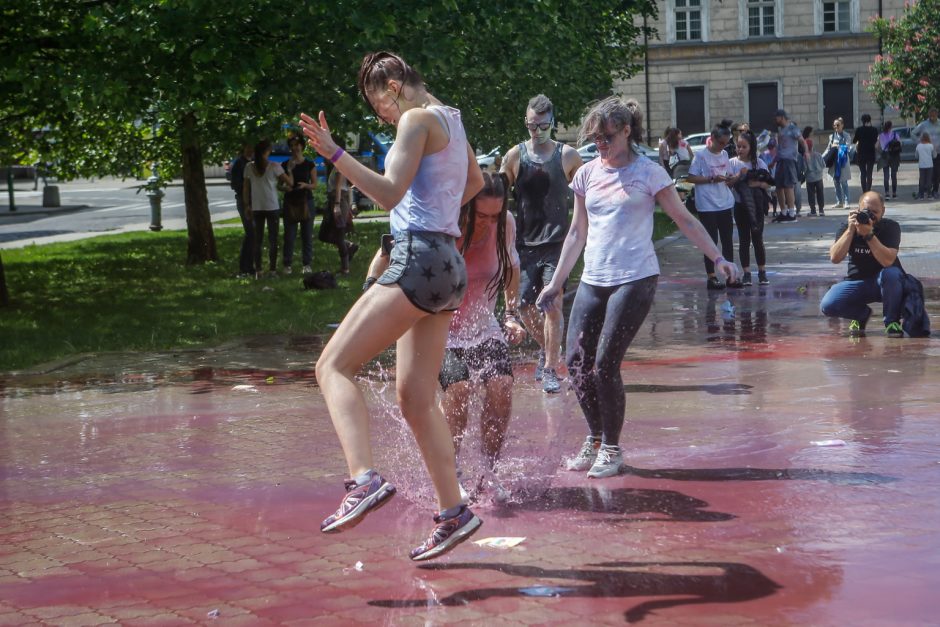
(414, 404)
(890, 276)
(828, 305)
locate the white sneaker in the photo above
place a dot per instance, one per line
(586, 456)
(308, 270)
(608, 462)
(288, 269)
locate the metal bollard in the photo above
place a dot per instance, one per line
(155, 194)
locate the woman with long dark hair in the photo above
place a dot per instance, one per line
(614, 199)
(262, 206)
(750, 206)
(430, 172)
(477, 348)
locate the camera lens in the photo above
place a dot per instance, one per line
(863, 217)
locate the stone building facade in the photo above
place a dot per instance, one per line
(742, 59)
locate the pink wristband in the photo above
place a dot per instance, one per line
(718, 259)
(336, 155)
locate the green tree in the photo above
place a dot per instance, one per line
(907, 75)
(114, 86)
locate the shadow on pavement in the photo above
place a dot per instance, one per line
(760, 474)
(736, 583)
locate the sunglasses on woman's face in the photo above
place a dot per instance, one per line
(604, 138)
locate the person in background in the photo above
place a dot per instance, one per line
(673, 150)
(246, 258)
(871, 243)
(926, 158)
(298, 206)
(890, 144)
(262, 178)
(338, 218)
(931, 126)
(815, 168)
(750, 206)
(539, 169)
(865, 140)
(786, 178)
(837, 151)
(710, 172)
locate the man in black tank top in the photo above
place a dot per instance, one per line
(539, 171)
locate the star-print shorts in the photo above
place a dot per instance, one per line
(429, 269)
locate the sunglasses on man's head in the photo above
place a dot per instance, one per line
(542, 126)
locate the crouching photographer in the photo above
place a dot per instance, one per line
(871, 243)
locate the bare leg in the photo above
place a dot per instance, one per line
(494, 419)
(357, 340)
(554, 333)
(534, 324)
(790, 197)
(420, 354)
(456, 406)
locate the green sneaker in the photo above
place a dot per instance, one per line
(894, 330)
(856, 329)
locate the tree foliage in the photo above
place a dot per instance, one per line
(907, 75)
(105, 88)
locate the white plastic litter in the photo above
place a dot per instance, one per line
(214, 614)
(828, 442)
(244, 388)
(499, 543)
(359, 566)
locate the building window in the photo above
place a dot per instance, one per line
(688, 19)
(760, 18)
(837, 16)
(838, 101)
(690, 109)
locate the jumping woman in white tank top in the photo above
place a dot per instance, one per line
(430, 172)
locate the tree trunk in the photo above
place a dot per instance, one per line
(4, 294)
(201, 245)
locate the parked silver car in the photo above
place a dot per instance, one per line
(908, 143)
(589, 152)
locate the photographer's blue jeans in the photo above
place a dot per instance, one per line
(849, 299)
(306, 241)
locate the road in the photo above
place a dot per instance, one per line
(98, 207)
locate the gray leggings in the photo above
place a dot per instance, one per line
(603, 322)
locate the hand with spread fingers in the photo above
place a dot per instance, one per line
(318, 135)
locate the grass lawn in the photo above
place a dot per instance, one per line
(134, 292)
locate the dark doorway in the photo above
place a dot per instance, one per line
(838, 101)
(762, 103)
(690, 110)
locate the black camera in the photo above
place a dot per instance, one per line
(863, 216)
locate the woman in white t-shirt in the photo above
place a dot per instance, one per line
(262, 205)
(711, 174)
(615, 196)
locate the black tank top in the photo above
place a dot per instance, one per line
(541, 195)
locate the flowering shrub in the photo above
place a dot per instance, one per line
(908, 74)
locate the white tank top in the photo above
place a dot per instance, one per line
(432, 201)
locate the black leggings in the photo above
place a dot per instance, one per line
(602, 324)
(719, 223)
(747, 233)
(866, 168)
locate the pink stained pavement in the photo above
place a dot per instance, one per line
(152, 491)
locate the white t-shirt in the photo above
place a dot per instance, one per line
(711, 196)
(925, 155)
(620, 203)
(264, 186)
(735, 165)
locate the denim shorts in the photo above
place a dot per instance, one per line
(537, 265)
(429, 270)
(482, 362)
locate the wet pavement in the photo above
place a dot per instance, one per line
(779, 473)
